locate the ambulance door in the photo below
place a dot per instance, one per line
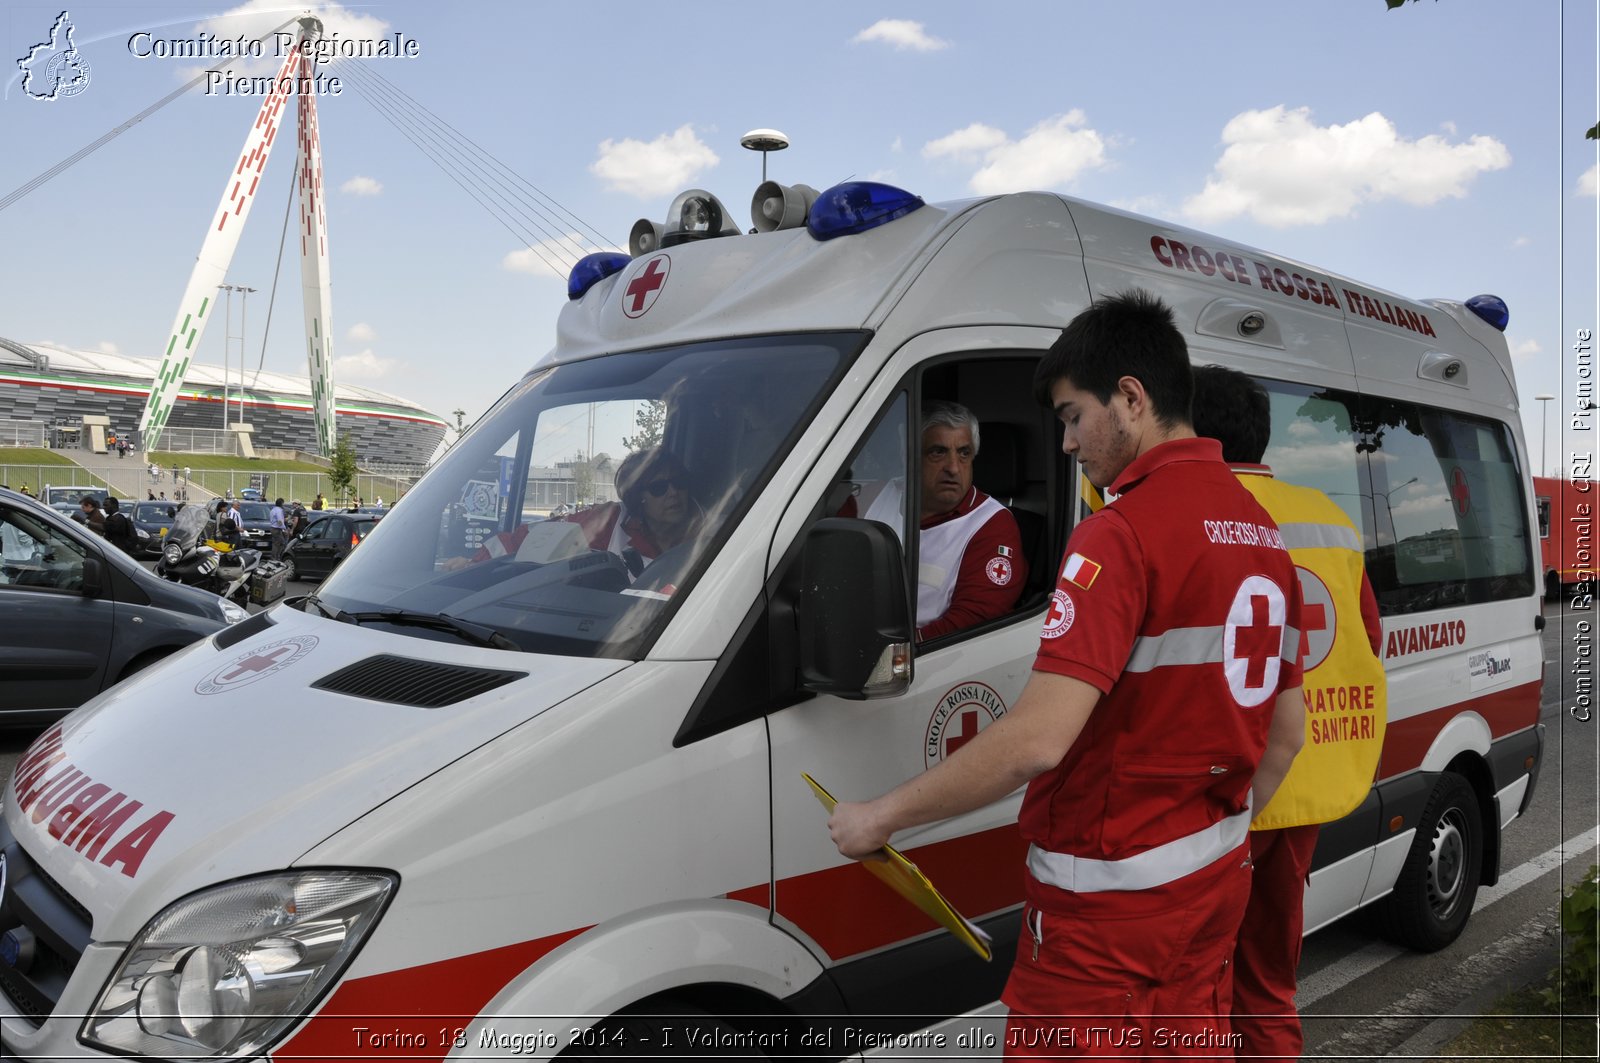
(886, 957)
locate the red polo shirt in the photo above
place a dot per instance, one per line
(1179, 602)
(989, 580)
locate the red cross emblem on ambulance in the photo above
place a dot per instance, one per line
(645, 287)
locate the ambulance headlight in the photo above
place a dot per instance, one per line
(227, 971)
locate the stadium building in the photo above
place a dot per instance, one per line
(52, 385)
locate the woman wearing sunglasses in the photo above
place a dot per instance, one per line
(657, 511)
(655, 514)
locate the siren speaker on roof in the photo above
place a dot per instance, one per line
(776, 206)
(645, 238)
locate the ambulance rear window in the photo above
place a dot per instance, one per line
(1436, 494)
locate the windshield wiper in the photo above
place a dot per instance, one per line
(476, 633)
(326, 610)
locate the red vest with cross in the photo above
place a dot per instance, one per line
(1179, 602)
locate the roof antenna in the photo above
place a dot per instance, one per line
(764, 140)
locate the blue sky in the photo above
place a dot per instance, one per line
(1436, 151)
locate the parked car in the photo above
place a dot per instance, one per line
(154, 519)
(77, 615)
(72, 495)
(256, 529)
(328, 540)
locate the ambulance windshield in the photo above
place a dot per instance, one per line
(588, 500)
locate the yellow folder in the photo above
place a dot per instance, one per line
(904, 878)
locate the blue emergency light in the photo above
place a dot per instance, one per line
(1492, 309)
(856, 206)
(592, 269)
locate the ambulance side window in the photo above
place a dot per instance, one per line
(1312, 446)
(876, 477)
(1018, 466)
(1448, 507)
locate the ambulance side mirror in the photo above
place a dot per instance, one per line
(854, 613)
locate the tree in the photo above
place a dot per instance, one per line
(588, 473)
(342, 474)
(651, 420)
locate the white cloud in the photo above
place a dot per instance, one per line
(1522, 241)
(551, 258)
(364, 365)
(361, 332)
(107, 347)
(666, 165)
(1587, 183)
(1524, 350)
(901, 34)
(1281, 169)
(362, 186)
(898, 146)
(1050, 154)
(965, 144)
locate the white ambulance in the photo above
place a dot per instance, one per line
(507, 786)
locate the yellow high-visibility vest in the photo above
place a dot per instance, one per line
(1345, 692)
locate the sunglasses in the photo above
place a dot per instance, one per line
(657, 488)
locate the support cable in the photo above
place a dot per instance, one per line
(277, 273)
(90, 148)
(401, 116)
(483, 153)
(533, 245)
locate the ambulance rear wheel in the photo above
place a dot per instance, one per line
(1433, 896)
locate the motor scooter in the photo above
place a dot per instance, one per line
(187, 558)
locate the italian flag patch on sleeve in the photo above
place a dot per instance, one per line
(1080, 571)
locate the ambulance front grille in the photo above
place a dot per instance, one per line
(423, 684)
(43, 932)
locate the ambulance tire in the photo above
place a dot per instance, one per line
(624, 1037)
(1438, 884)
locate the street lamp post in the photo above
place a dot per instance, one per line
(1544, 426)
(244, 331)
(227, 342)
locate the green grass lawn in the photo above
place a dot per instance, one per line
(31, 456)
(36, 466)
(166, 459)
(1527, 1024)
(228, 474)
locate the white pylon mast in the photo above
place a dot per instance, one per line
(315, 290)
(222, 240)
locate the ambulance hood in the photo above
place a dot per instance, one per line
(233, 761)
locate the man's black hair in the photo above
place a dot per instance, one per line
(1233, 409)
(1132, 334)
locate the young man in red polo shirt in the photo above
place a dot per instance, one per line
(1165, 694)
